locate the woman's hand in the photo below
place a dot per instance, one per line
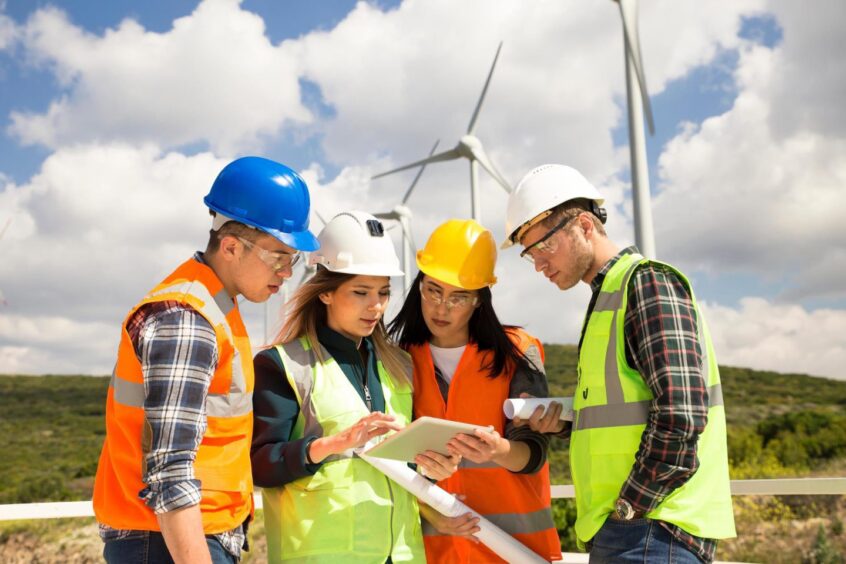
(366, 428)
(437, 466)
(482, 446)
(462, 526)
(543, 420)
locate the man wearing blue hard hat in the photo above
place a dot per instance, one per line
(174, 482)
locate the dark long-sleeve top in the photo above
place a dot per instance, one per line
(662, 344)
(276, 459)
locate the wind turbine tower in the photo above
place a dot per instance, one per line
(637, 98)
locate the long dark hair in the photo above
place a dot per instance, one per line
(409, 328)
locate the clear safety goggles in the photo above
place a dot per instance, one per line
(434, 296)
(546, 245)
(276, 260)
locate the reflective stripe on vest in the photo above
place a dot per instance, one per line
(518, 503)
(632, 413)
(612, 404)
(222, 462)
(347, 511)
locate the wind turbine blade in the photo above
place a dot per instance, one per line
(473, 119)
(482, 158)
(5, 227)
(628, 12)
(386, 215)
(445, 156)
(419, 174)
(320, 217)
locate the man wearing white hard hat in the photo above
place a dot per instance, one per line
(648, 439)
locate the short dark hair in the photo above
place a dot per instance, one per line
(409, 328)
(570, 209)
(231, 229)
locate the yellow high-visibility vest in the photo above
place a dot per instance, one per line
(611, 406)
(348, 511)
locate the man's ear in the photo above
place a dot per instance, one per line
(326, 297)
(229, 247)
(587, 225)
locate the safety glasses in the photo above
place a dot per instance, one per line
(276, 260)
(545, 245)
(434, 296)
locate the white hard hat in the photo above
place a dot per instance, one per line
(355, 242)
(542, 189)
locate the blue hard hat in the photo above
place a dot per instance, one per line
(266, 195)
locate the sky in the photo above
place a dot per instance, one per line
(115, 118)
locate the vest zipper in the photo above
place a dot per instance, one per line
(367, 398)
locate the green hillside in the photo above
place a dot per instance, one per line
(779, 425)
(53, 425)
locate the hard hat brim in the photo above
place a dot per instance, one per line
(369, 270)
(300, 240)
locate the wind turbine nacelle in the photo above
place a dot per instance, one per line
(469, 145)
(402, 211)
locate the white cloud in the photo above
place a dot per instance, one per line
(780, 337)
(98, 225)
(761, 186)
(56, 345)
(213, 78)
(555, 96)
(8, 31)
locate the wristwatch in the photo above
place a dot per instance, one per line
(624, 509)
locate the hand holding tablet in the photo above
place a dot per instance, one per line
(425, 433)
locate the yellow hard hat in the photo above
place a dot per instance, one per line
(460, 252)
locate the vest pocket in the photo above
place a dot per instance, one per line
(317, 513)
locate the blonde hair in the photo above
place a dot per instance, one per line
(306, 313)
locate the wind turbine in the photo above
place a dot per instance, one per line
(402, 215)
(637, 98)
(470, 148)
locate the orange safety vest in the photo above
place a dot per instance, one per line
(517, 503)
(222, 463)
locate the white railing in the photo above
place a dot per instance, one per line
(782, 486)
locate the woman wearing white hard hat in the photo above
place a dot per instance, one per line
(466, 364)
(333, 382)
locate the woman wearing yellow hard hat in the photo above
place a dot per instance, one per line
(466, 364)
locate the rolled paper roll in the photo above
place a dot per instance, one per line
(524, 407)
(501, 543)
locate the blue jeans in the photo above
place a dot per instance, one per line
(151, 549)
(639, 540)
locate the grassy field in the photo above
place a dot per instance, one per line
(779, 425)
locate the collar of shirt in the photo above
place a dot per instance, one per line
(200, 257)
(596, 283)
(343, 346)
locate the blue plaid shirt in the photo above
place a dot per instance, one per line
(177, 348)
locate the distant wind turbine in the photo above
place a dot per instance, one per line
(637, 98)
(402, 215)
(470, 148)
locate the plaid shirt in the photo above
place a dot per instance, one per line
(662, 344)
(177, 348)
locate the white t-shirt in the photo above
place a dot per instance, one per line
(446, 359)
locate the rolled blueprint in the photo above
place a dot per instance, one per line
(523, 408)
(504, 545)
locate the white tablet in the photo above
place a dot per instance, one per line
(425, 433)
